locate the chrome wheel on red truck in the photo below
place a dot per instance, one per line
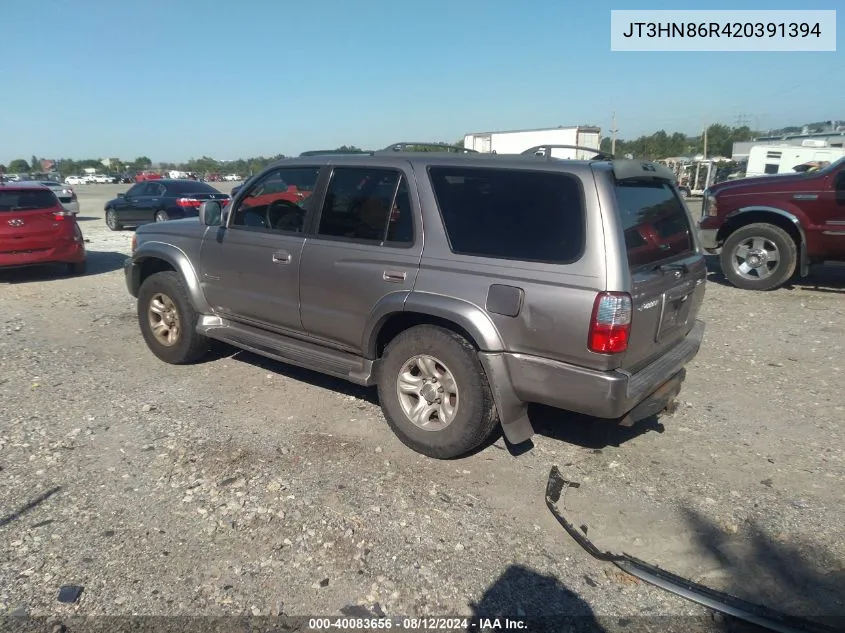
(759, 257)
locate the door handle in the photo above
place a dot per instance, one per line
(281, 257)
(394, 276)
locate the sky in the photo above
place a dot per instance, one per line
(231, 79)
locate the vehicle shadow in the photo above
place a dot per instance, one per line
(586, 431)
(827, 278)
(98, 263)
(793, 576)
(30, 505)
(313, 378)
(572, 428)
(522, 598)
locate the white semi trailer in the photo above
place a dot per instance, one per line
(517, 141)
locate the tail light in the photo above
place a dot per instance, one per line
(60, 216)
(189, 203)
(610, 326)
(134, 242)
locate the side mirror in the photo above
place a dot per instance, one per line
(211, 213)
(235, 190)
(121, 195)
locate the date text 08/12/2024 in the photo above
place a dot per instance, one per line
(417, 624)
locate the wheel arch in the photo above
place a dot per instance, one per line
(786, 220)
(155, 257)
(401, 311)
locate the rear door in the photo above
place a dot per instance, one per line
(27, 220)
(365, 247)
(667, 272)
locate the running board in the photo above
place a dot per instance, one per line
(344, 365)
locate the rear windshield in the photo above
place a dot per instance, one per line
(17, 200)
(656, 225)
(511, 214)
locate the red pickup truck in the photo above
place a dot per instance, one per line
(767, 229)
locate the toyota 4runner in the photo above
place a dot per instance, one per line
(463, 285)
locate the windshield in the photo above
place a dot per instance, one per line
(18, 200)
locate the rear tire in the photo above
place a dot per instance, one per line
(759, 256)
(168, 320)
(466, 416)
(112, 221)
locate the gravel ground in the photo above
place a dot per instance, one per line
(243, 486)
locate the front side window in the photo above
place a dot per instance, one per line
(272, 203)
(367, 204)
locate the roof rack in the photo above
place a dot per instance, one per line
(401, 147)
(337, 152)
(545, 151)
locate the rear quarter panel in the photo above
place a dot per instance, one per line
(557, 300)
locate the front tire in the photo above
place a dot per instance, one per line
(434, 392)
(168, 320)
(759, 256)
(112, 221)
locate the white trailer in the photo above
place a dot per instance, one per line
(517, 141)
(764, 160)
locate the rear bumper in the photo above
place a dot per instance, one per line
(68, 253)
(72, 206)
(603, 394)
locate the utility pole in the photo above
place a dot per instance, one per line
(613, 135)
(705, 140)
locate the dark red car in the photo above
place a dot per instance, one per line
(36, 229)
(766, 229)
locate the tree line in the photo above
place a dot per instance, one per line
(660, 144)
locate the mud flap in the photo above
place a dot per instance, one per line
(716, 600)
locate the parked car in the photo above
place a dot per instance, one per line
(64, 192)
(144, 176)
(232, 178)
(101, 179)
(36, 229)
(767, 229)
(76, 180)
(522, 290)
(159, 201)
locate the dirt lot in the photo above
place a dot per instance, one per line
(242, 486)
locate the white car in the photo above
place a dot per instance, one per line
(231, 178)
(102, 179)
(64, 192)
(76, 180)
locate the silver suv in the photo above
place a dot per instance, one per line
(463, 285)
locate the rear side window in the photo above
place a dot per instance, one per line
(656, 225)
(16, 200)
(511, 214)
(190, 187)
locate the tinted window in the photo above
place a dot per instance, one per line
(267, 206)
(511, 214)
(655, 222)
(136, 190)
(16, 200)
(367, 204)
(192, 186)
(770, 169)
